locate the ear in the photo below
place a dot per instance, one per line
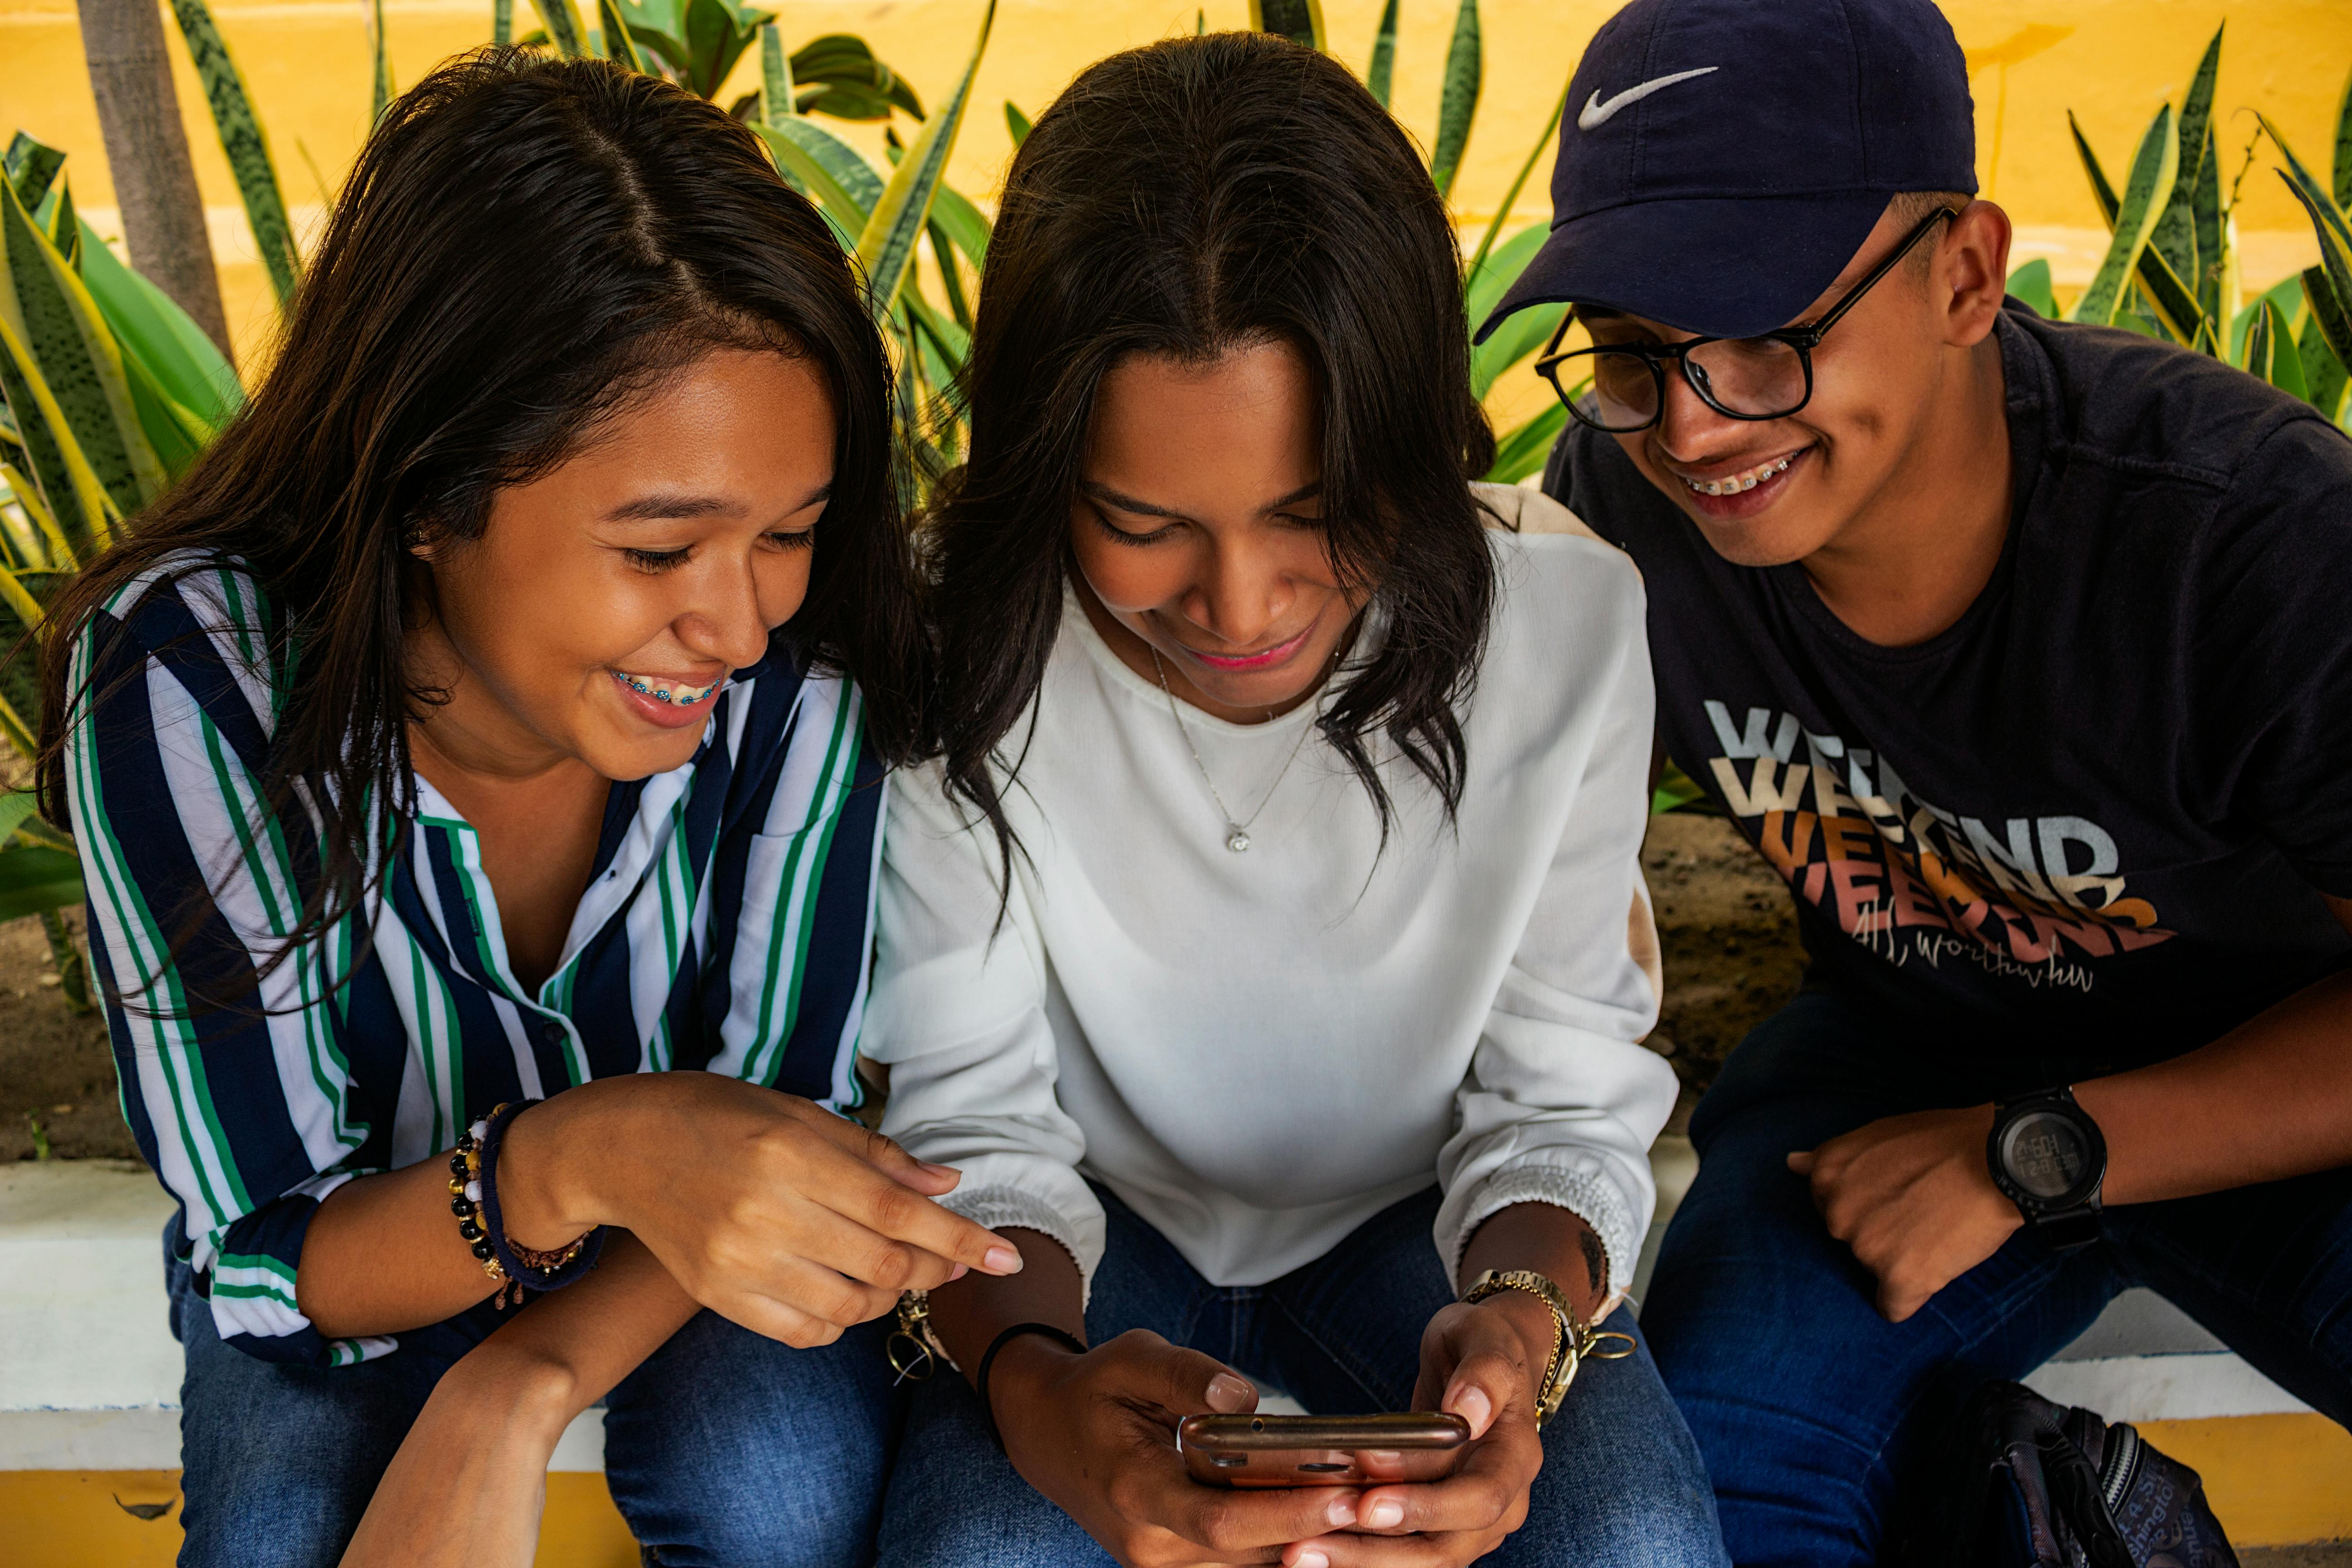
(1971, 273)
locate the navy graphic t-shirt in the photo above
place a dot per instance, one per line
(2094, 815)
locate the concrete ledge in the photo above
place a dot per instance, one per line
(90, 1374)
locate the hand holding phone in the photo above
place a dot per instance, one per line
(1255, 1452)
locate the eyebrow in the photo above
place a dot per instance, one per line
(1143, 507)
(668, 506)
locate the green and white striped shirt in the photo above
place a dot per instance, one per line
(727, 923)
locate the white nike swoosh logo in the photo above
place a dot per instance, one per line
(1596, 113)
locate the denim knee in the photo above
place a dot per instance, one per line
(729, 1448)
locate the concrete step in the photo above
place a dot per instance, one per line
(90, 1374)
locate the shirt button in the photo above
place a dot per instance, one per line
(552, 1032)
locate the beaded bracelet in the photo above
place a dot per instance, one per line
(474, 1199)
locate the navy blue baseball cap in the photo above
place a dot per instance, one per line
(1721, 161)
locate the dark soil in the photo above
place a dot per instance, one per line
(1729, 942)
(57, 1072)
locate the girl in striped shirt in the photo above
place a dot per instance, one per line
(498, 715)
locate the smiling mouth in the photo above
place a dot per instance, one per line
(663, 689)
(1746, 479)
(1259, 660)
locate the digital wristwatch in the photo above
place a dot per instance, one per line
(2049, 1158)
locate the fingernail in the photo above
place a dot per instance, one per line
(1228, 1393)
(1342, 1513)
(961, 1271)
(937, 1170)
(1385, 1514)
(1002, 1260)
(1473, 1406)
(1311, 1558)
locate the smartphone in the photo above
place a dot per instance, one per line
(1321, 1450)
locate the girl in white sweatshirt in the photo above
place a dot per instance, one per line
(1268, 950)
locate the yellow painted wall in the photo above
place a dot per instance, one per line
(2272, 1480)
(2110, 60)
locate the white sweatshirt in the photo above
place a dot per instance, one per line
(1258, 1052)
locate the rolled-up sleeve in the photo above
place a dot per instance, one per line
(958, 1014)
(232, 1081)
(1562, 1101)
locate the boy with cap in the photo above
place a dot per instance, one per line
(2021, 649)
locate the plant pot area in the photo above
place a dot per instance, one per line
(57, 1072)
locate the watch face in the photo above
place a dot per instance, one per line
(2045, 1153)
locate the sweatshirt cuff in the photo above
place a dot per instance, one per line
(1004, 1208)
(1584, 1188)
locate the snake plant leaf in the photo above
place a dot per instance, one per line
(31, 166)
(1457, 101)
(885, 247)
(1016, 124)
(775, 76)
(562, 26)
(964, 224)
(1484, 288)
(2329, 286)
(2325, 213)
(2215, 261)
(2272, 354)
(1522, 451)
(620, 47)
(2176, 231)
(36, 538)
(2154, 167)
(843, 183)
(49, 307)
(2324, 372)
(1381, 73)
(246, 145)
(2100, 191)
(2030, 284)
(23, 596)
(1300, 21)
(57, 220)
(840, 75)
(2176, 307)
(2331, 314)
(717, 34)
(69, 492)
(1522, 334)
(1518, 183)
(152, 329)
(2344, 149)
(656, 29)
(380, 63)
(2165, 288)
(502, 21)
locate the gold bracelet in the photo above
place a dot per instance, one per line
(1573, 1342)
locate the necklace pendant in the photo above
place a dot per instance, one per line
(1236, 840)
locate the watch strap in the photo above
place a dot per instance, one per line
(1573, 1344)
(2070, 1228)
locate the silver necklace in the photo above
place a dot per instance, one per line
(1237, 838)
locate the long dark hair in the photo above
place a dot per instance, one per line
(1185, 199)
(525, 244)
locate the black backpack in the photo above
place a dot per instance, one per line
(2030, 1484)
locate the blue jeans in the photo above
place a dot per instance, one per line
(1621, 1484)
(1816, 1414)
(723, 1448)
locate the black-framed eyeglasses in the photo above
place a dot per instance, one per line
(1765, 377)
